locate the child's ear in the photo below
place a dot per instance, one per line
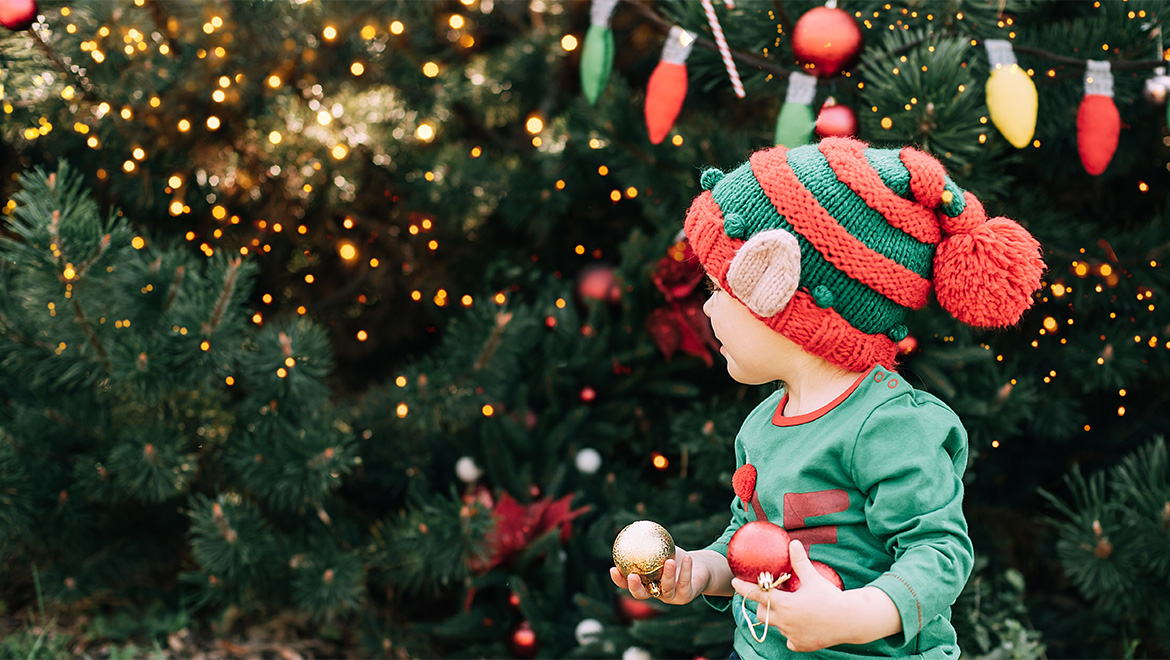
(765, 271)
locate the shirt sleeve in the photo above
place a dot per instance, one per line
(909, 460)
(719, 545)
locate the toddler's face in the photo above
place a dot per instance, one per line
(753, 350)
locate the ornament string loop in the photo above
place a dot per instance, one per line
(765, 583)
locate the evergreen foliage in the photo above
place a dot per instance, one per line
(210, 413)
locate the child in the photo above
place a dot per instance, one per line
(815, 254)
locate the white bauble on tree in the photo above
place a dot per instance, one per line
(467, 470)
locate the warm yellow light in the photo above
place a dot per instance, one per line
(677, 140)
(615, 195)
(274, 137)
(138, 153)
(257, 318)
(347, 251)
(357, 68)
(400, 381)
(309, 278)
(466, 300)
(218, 96)
(401, 410)
(184, 125)
(126, 113)
(397, 27)
(69, 272)
(274, 81)
(534, 125)
(330, 33)
(175, 181)
(569, 42)
(324, 117)
(369, 32)
(500, 299)
(430, 69)
(339, 151)
(560, 303)
(362, 335)
(425, 132)
(176, 207)
(1050, 324)
(229, 381)
(887, 123)
(660, 461)
(138, 242)
(456, 22)
(1106, 270)
(213, 122)
(128, 166)
(488, 410)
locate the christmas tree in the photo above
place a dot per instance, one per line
(373, 318)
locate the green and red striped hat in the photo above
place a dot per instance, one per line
(830, 245)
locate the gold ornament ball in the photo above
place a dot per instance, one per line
(642, 548)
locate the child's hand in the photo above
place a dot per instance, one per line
(818, 614)
(682, 580)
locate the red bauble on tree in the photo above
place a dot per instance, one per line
(636, 610)
(825, 40)
(18, 14)
(523, 642)
(599, 282)
(836, 120)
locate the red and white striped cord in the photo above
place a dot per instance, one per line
(724, 51)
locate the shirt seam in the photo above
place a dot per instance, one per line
(917, 603)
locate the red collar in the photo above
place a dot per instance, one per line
(779, 419)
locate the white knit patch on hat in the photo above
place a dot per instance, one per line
(765, 271)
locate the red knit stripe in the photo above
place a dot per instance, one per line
(847, 158)
(826, 333)
(928, 179)
(822, 332)
(840, 248)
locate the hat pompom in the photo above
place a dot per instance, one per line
(985, 276)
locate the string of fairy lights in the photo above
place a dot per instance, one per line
(341, 132)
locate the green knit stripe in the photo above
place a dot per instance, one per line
(864, 308)
(852, 213)
(888, 164)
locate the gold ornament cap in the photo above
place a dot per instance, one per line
(642, 548)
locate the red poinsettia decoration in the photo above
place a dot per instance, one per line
(517, 525)
(681, 325)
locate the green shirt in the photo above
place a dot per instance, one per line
(872, 485)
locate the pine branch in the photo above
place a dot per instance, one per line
(161, 21)
(180, 273)
(493, 341)
(225, 296)
(87, 90)
(87, 329)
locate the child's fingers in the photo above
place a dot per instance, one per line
(637, 589)
(616, 576)
(684, 575)
(668, 583)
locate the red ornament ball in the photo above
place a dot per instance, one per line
(835, 120)
(588, 394)
(599, 282)
(636, 610)
(908, 345)
(826, 571)
(523, 643)
(759, 547)
(17, 15)
(826, 40)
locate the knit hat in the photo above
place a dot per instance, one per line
(830, 244)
